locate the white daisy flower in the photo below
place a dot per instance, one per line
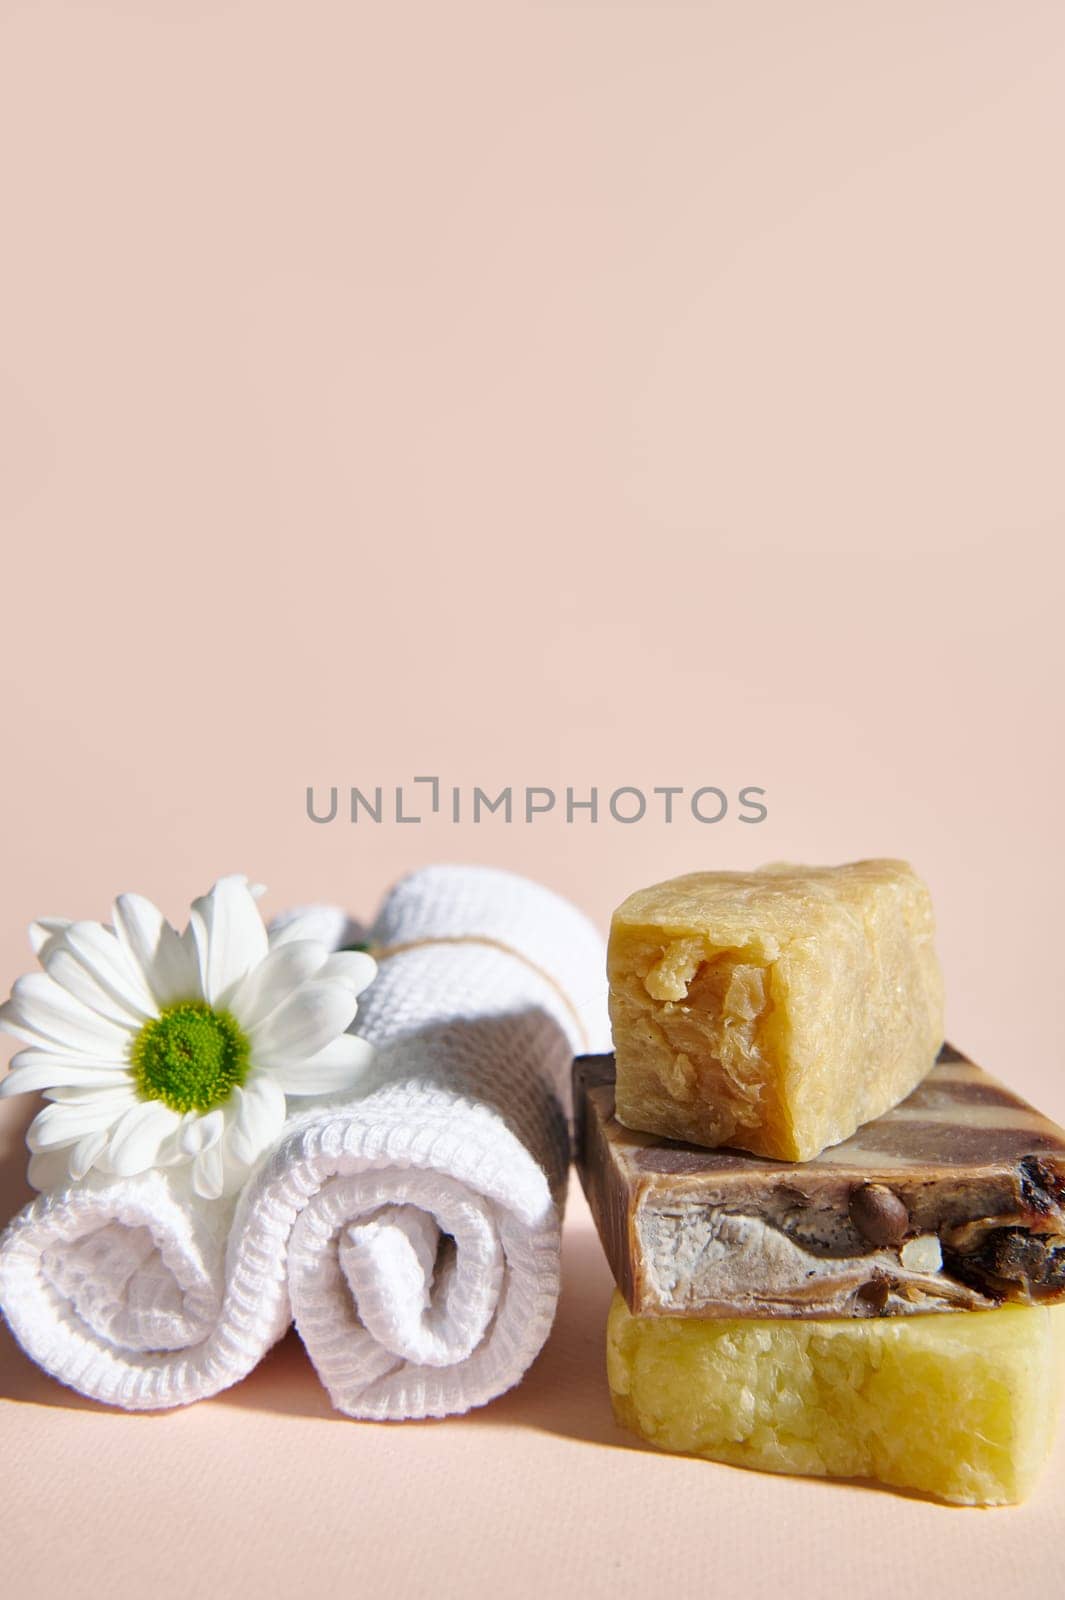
(157, 1048)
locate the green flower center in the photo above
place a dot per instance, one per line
(190, 1056)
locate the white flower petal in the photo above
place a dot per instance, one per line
(103, 954)
(59, 1125)
(257, 1119)
(63, 965)
(47, 934)
(166, 960)
(209, 1172)
(302, 1024)
(43, 1012)
(85, 1154)
(355, 968)
(274, 979)
(9, 1022)
(199, 1131)
(137, 1136)
(36, 1070)
(329, 925)
(339, 1066)
(49, 1169)
(229, 935)
(118, 1087)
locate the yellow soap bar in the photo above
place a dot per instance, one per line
(963, 1408)
(774, 1010)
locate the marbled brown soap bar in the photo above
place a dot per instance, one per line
(954, 1200)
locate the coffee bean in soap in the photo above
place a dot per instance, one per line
(878, 1214)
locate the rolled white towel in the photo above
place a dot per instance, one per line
(141, 1293)
(123, 1288)
(417, 1227)
(424, 1268)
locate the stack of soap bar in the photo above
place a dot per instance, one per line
(774, 1010)
(805, 1318)
(839, 1248)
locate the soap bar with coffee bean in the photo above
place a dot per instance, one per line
(774, 1010)
(952, 1201)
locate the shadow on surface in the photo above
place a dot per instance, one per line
(284, 1382)
(565, 1391)
(20, 1380)
(16, 1117)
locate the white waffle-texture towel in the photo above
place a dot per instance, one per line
(414, 1230)
(424, 1268)
(138, 1292)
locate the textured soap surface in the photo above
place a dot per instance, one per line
(775, 1010)
(963, 1408)
(953, 1201)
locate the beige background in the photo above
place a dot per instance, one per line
(550, 394)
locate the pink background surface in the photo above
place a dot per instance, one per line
(556, 394)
